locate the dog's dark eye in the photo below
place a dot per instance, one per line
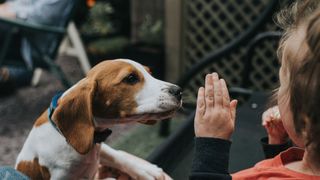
(131, 79)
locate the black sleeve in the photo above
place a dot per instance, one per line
(211, 159)
(271, 150)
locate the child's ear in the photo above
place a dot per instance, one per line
(74, 117)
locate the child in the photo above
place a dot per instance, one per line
(298, 102)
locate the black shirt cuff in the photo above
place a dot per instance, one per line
(272, 150)
(211, 155)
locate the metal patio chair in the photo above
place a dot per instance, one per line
(42, 59)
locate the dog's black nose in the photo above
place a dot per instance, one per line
(176, 92)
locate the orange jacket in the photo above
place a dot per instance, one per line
(272, 169)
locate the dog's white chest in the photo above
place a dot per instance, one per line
(54, 153)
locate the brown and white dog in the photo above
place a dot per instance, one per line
(116, 91)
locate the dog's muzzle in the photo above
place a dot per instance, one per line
(176, 92)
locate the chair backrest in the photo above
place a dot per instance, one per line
(229, 59)
(261, 64)
(65, 23)
(209, 26)
(48, 44)
(41, 32)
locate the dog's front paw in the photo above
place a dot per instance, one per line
(145, 171)
(138, 168)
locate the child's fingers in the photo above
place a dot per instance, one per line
(279, 126)
(233, 108)
(200, 103)
(267, 122)
(272, 125)
(167, 177)
(217, 90)
(209, 94)
(225, 94)
(275, 112)
(268, 113)
(264, 123)
(266, 119)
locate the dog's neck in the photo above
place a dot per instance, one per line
(100, 134)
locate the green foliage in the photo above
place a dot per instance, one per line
(110, 45)
(151, 31)
(99, 20)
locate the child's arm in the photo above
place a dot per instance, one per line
(277, 140)
(211, 159)
(214, 124)
(271, 150)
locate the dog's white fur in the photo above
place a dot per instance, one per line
(64, 162)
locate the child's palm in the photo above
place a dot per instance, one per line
(215, 114)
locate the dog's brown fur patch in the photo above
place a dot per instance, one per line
(42, 119)
(114, 98)
(104, 94)
(33, 169)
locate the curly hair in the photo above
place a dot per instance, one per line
(304, 77)
(305, 86)
(290, 18)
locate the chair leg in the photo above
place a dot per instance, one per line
(56, 70)
(61, 76)
(36, 77)
(79, 48)
(72, 45)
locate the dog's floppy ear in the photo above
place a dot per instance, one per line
(74, 117)
(148, 69)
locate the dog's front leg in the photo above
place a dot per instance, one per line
(135, 167)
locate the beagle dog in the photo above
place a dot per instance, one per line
(62, 143)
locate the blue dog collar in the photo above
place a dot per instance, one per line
(98, 136)
(52, 108)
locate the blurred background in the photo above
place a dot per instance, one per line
(181, 41)
(104, 29)
(133, 29)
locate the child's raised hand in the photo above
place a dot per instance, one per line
(271, 120)
(215, 114)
